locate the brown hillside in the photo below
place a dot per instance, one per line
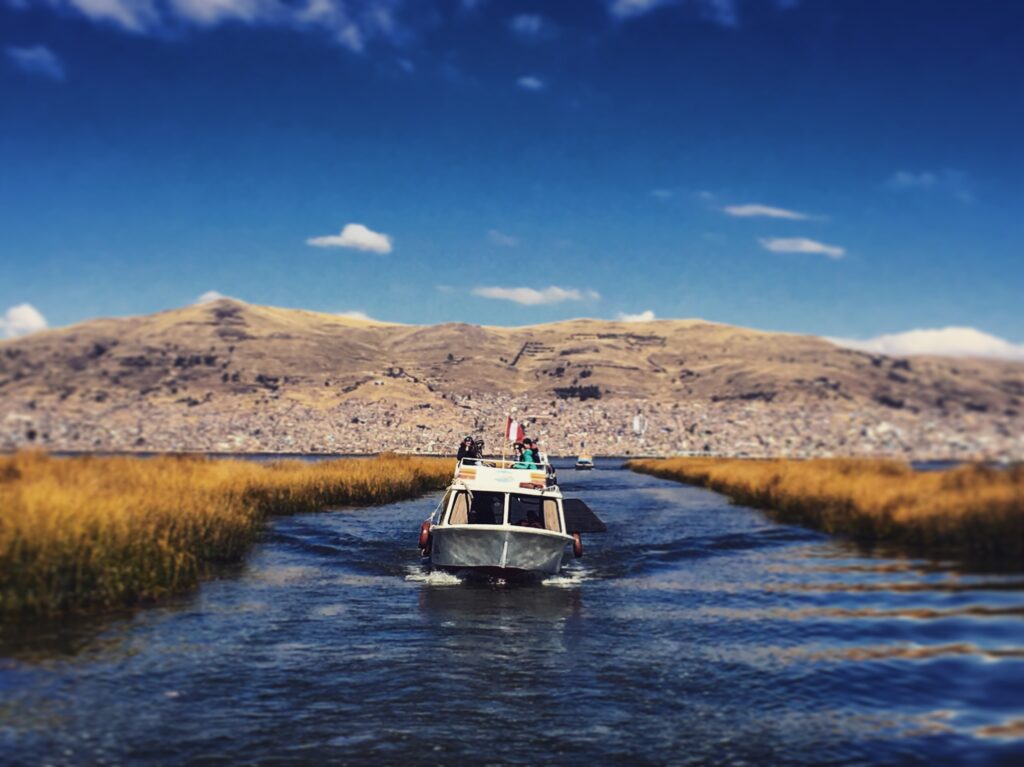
(229, 357)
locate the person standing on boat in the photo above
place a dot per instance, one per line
(531, 455)
(466, 450)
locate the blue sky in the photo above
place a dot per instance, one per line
(845, 168)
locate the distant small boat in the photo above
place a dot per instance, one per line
(584, 463)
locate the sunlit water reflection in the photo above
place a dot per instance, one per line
(695, 632)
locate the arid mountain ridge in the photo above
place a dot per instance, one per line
(222, 375)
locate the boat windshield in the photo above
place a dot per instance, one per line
(477, 508)
(533, 511)
(488, 508)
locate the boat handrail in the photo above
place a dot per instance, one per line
(474, 470)
(499, 463)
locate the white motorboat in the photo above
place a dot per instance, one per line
(584, 463)
(501, 519)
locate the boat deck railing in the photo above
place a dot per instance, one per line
(497, 470)
(499, 463)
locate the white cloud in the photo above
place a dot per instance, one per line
(214, 295)
(530, 83)
(754, 210)
(37, 60)
(948, 342)
(644, 316)
(500, 238)
(532, 28)
(950, 182)
(662, 194)
(212, 12)
(21, 320)
(354, 236)
(906, 180)
(534, 297)
(801, 245)
(722, 12)
(350, 24)
(355, 314)
(625, 9)
(132, 15)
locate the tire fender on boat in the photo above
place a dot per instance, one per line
(425, 534)
(577, 545)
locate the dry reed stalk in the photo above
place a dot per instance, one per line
(972, 510)
(100, 532)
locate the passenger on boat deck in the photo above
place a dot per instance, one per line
(517, 452)
(467, 449)
(531, 456)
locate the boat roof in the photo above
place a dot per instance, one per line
(500, 476)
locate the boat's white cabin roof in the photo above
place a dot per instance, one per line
(499, 476)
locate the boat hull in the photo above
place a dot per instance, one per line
(497, 549)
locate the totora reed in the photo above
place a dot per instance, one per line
(102, 532)
(973, 511)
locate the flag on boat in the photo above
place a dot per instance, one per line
(514, 430)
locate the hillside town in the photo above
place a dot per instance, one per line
(564, 427)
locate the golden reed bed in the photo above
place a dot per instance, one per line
(973, 511)
(100, 532)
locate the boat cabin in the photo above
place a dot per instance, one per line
(501, 493)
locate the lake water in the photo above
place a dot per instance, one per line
(694, 632)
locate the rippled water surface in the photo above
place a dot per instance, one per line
(695, 632)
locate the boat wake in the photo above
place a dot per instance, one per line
(568, 579)
(433, 577)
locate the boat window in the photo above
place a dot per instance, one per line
(460, 510)
(550, 507)
(487, 508)
(533, 511)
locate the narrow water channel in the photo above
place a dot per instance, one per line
(694, 632)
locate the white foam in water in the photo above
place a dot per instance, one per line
(567, 578)
(433, 577)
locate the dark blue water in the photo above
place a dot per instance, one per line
(695, 632)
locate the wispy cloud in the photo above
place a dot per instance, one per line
(950, 182)
(21, 320)
(801, 245)
(356, 314)
(214, 295)
(355, 236)
(531, 83)
(532, 28)
(627, 9)
(644, 316)
(949, 342)
(138, 16)
(905, 179)
(662, 194)
(755, 210)
(500, 238)
(534, 297)
(721, 12)
(350, 24)
(37, 60)
(209, 296)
